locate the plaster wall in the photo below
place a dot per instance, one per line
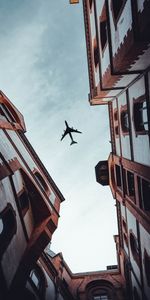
(145, 245)
(131, 221)
(12, 256)
(125, 139)
(141, 148)
(124, 23)
(117, 141)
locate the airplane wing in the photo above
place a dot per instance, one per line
(64, 134)
(75, 130)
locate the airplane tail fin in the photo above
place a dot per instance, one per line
(73, 142)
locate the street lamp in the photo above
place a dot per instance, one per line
(74, 1)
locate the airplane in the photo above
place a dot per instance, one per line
(69, 131)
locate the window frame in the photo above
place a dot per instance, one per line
(95, 53)
(8, 217)
(147, 266)
(117, 17)
(103, 30)
(20, 195)
(139, 101)
(129, 189)
(124, 112)
(116, 122)
(135, 247)
(118, 180)
(142, 204)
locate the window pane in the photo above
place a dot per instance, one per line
(1, 226)
(35, 279)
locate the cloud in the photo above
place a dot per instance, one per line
(43, 70)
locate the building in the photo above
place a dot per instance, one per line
(29, 204)
(52, 279)
(118, 54)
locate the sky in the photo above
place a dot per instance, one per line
(43, 71)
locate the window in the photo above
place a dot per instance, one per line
(134, 247)
(38, 281)
(124, 122)
(135, 293)
(96, 54)
(35, 279)
(100, 290)
(103, 28)
(41, 181)
(144, 193)
(2, 115)
(117, 6)
(147, 266)
(103, 34)
(24, 202)
(124, 226)
(8, 227)
(101, 297)
(116, 127)
(115, 115)
(140, 115)
(118, 176)
(130, 184)
(116, 130)
(90, 3)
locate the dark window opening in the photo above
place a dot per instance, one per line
(103, 34)
(38, 281)
(6, 112)
(96, 53)
(118, 176)
(24, 202)
(116, 127)
(135, 293)
(8, 227)
(124, 122)
(144, 193)
(125, 239)
(134, 247)
(117, 130)
(124, 224)
(147, 266)
(115, 115)
(117, 6)
(140, 116)
(90, 2)
(41, 181)
(2, 115)
(130, 184)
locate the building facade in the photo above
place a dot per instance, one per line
(118, 53)
(29, 204)
(52, 279)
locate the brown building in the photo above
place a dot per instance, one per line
(118, 53)
(58, 282)
(29, 203)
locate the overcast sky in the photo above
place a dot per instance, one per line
(43, 71)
